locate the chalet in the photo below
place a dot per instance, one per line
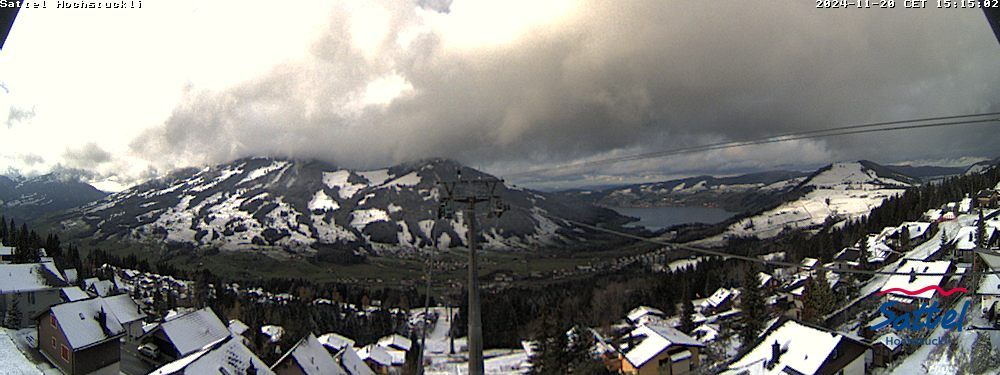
(988, 198)
(188, 333)
(71, 276)
(307, 357)
(6, 254)
(227, 355)
(129, 315)
(918, 232)
(767, 281)
(913, 278)
(379, 359)
(81, 337)
(886, 348)
(102, 288)
(27, 290)
(396, 342)
(643, 314)
(932, 215)
(73, 294)
(791, 347)
(966, 241)
(335, 342)
(659, 349)
(342, 349)
(722, 299)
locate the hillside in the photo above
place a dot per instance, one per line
(26, 199)
(834, 193)
(741, 193)
(301, 206)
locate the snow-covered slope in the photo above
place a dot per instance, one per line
(29, 198)
(299, 205)
(836, 192)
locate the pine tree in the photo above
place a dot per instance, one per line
(13, 320)
(981, 231)
(904, 239)
(754, 309)
(817, 298)
(687, 310)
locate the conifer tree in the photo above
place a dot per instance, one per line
(753, 307)
(817, 298)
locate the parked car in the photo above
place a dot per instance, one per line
(150, 350)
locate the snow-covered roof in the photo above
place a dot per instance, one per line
(336, 341)
(642, 311)
(74, 293)
(192, 331)
(989, 285)
(655, 339)
(237, 327)
(903, 281)
(29, 277)
(764, 278)
(932, 214)
(915, 228)
(395, 341)
(965, 205)
(350, 361)
(804, 350)
(71, 275)
(273, 332)
(102, 288)
(706, 332)
(80, 321)
(719, 297)
(966, 237)
(312, 358)
(125, 308)
(6, 251)
(375, 354)
(891, 340)
(809, 262)
(225, 356)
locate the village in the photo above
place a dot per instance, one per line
(58, 323)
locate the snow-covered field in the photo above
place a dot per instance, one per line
(498, 361)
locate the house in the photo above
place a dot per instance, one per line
(659, 349)
(918, 232)
(722, 299)
(377, 358)
(966, 241)
(988, 198)
(914, 277)
(73, 293)
(129, 315)
(886, 348)
(342, 349)
(767, 281)
(102, 288)
(188, 333)
(396, 342)
(307, 357)
(27, 290)
(71, 276)
(239, 329)
(81, 337)
(643, 314)
(6, 254)
(227, 355)
(792, 347)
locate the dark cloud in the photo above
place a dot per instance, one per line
(613, 78)
(87, 157)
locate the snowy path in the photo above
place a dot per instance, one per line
(14, 362)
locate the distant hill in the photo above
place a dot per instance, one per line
(741, 193)
(301, 206)
(926, 173)
(26, 199)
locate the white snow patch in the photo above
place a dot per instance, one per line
(323, 202)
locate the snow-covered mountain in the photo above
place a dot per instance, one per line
(301, 205)
(836, 193)
(741, 193)
(29, 198)
(982, 166)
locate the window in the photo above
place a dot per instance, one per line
(53, 342)
(31, 298)
(65, 353)
(52, 320)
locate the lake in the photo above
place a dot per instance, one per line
(662, 217)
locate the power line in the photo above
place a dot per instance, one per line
(784, 137)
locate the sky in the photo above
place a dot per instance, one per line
(119, 96)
